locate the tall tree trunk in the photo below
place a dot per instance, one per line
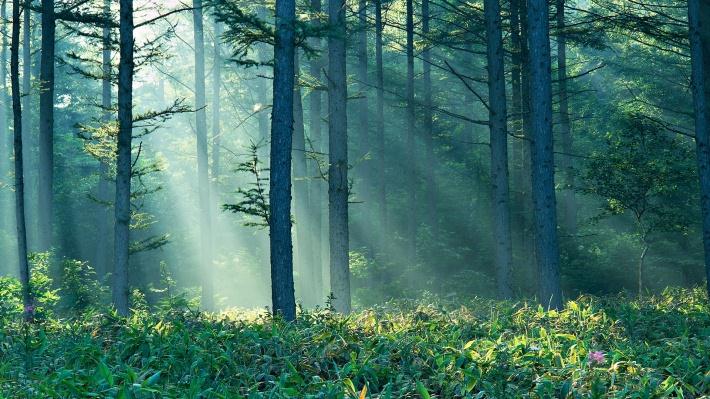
(103, 219)
(216, 97)
(570, 205)
(430, 169)
(338, 153)
(520, 144)
(699, 51)
(203, 185)
(304, 259)
(123, 162)
(499, 148)
(28, 128)
(528, 246)
(542, 159)
(362, 103)
(316, 185)
(282, 290)
(19, 169)
(45, 213)
(380, 122)
(4, 121)
(411, 166)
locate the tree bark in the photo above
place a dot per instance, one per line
(4, 121)
(411, 167)
(45, 214)
(499, 148)
(316, 185)
(338, 153)
(203, 183)
(19, 168)
(123, 163)
(528, 245)
(699, 12)
(28, 140)
(570, 205)
(542, 159)
(282, 290)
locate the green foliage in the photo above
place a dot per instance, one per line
(644, 170)
(652, 348)
(253, 201)
(80, 288)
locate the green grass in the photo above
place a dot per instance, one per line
(654, 348)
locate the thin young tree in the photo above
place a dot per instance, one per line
(123, 161)
(338, 154)
(499, 147)
(19, 167)
(203, 185)
(699, 45)
(542, 159)
(45, 214)
(282, 287)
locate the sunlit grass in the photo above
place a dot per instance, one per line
(594, 348)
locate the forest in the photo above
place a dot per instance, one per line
(355, 199)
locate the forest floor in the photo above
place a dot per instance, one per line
(595, 348)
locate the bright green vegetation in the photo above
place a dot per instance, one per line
(655, 347)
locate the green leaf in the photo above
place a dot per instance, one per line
(422, 391)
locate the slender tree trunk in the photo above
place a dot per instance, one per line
(542, 159)
(203, 185)
(282, 290)
(519, 145)
(699, 52)
(4, 121)
(45, 214)
(362, 102)
(380, 122)
(338, 153)
(411, 168)
(570, 205)
(216, 106)
(526, 211)
(123, 162)
(642, 261)
(430, 170)
(316, 185)
(28, 128)
(103, 222)
(19, 169)
(304, 259)
(499, 148)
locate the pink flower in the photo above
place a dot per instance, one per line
(595, 358)
(29, 309)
